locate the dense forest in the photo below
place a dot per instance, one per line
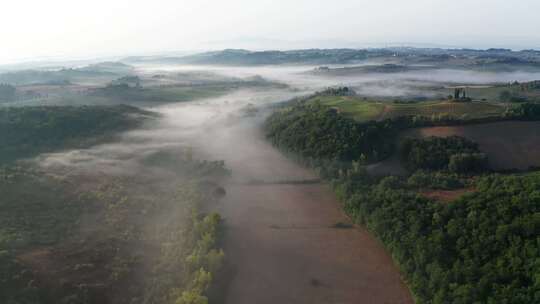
(481, 247)
(28, 131)
(317, 132)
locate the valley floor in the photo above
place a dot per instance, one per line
(287, 240)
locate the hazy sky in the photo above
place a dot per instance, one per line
(36, 28)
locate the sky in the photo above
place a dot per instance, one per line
(37, 29)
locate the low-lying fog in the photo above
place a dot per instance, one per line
(371, 84)
(216, 129)
(222, 129)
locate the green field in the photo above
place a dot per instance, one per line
(354, 107)
(363, 110)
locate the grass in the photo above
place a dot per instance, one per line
(362, 110)
(358, 109)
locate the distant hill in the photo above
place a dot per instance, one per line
(108, 70)
(109, 67)
(432, 56)
(245, 57)
(364, 69)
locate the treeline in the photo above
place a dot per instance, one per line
(205, 262)
(338, 91)
(525, 111)
(520, 92)
(28, 131)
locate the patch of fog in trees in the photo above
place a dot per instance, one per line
(397, 84)
(211, 129)
(219, 128)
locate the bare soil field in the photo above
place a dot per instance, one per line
(509, 144)
(285, 245)
(287, 239)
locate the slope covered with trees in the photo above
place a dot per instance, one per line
(317, 132)
(481, 247)
(28, 131)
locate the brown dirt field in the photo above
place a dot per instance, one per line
(281, 241)
(284, 249)
(509, 144)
